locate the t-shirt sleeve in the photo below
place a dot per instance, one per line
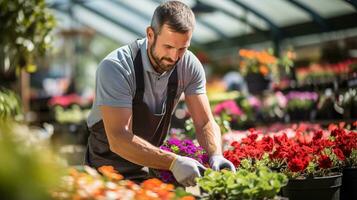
(196, 77)
(112, 85)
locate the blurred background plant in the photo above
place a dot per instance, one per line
(28, 169)
(9, 105)
(25, 32)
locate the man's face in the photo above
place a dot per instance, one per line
(166, 48)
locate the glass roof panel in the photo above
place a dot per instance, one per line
(103, 26)
(281, 12)
(329, 8)
(120, 14)
(136, 15)
(144, 6)
(228, 25)
(203, 34)
(233, 8)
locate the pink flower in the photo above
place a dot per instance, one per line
(229, 106)
(255, 102)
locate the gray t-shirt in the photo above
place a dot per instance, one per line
(115, 81)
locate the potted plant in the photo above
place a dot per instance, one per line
(309, 164)
(257, 66)
(227, 113)
(300, 104)
(346, 144)
(260, 183)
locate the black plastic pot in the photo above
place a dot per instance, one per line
(257, 83)
(326, 188)
(349, 184)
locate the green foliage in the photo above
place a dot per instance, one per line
(261, 183)
(298, 104)
(9, 105)
(352, 159)
(189, 128)
(25, 32)
(74, 114)
(28, 169)
(222, 121)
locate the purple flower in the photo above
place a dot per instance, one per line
(165, 148)
(167, 176)
(188, 143)
(313, 96)
(183, 148)
(174, 141)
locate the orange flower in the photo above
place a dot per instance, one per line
(291, 55)
(110, 172)
(264, 70)
(188, 198)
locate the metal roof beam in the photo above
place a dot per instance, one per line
(277, 32)
(136, 11)
(241, 19)
(353, 3)
(315, 16)
(209, 26)
(110, 19)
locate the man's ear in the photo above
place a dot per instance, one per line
(150, 34)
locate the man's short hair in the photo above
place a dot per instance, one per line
(177, 15)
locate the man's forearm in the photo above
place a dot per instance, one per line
(139, 151)
(209, 137)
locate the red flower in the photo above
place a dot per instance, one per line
(297, 164)
(337, 132)
(325, 162)
(339, 154)
(281, 140)
(332, 127)
(317, 135)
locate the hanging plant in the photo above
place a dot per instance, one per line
(25, 33)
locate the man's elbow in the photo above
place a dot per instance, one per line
(118, 141)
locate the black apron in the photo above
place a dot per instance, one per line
(152, 128)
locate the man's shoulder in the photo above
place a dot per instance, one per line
(119, 54)
(190, 62)
(118, 60)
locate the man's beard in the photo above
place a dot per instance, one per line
(159, 65)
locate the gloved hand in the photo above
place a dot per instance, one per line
(186, 169)
(218, 162)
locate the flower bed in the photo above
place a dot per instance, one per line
(87, 183)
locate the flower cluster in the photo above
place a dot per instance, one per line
(298, 156)
(345, 146)
(324, 72)
(229, 107)
(313, 96)
(263, 62)
(256, 61)
(301, 100)
(87, 183)
(249, 147)
(184, 148)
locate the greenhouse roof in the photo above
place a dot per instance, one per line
(218, 21)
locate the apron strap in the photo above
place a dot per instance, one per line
(139, 74)
(171, 94)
